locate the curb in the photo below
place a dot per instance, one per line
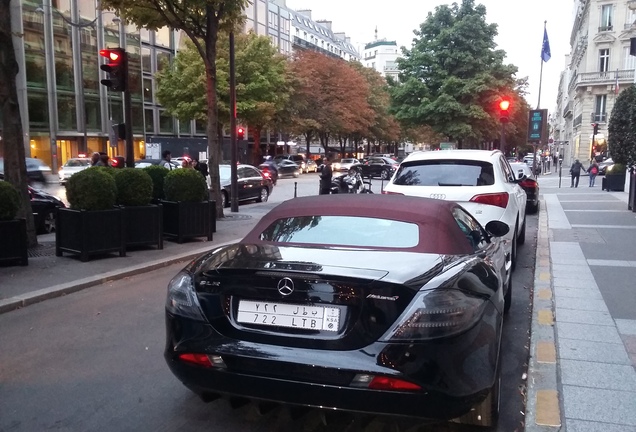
(543, 409)
(17, 302)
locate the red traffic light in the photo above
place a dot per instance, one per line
(112, 55)
(504, 105)
(240, 133)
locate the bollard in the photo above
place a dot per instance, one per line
(295, 189)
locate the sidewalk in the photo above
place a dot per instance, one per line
(48, 276)
(582, 375)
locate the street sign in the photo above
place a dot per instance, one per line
(537, 126)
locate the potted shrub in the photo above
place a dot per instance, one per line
(144, 221)
(187, 210)
(92, 225)
(157, 173)
(13, 237)
(614, 179)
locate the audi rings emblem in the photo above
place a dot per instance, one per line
(285, 286)
(438, 196)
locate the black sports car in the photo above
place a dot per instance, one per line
(252, 184)
(44, 207)
(382, 304)
(382, 167)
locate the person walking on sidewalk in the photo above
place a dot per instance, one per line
(593, 172)
(575, 172)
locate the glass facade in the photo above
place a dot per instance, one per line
(53, 57)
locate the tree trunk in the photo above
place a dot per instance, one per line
(256, 151)
(12, 134)
(214, 146)
(308, 142)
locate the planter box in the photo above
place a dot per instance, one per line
(13, 241)
(183, 220)
(614, 183)
(144, 225)
(90, 232)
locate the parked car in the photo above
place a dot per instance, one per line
(252, 184)
(382, 167)
(310, 166)
(603, 166)
(344, 164)
(287, 167)
(72, 166)
(528, 182)
(44, 206)
(143, 163)
(370, 303)
(479, 180)
(529, 160)
(36, 169)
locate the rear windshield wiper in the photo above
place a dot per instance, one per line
(452, 184)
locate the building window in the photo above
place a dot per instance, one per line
(599, 111)
(629, 60)
(146, 60)
(273, 20)
(149, 120)
(166, 122)
(603, 65)
(148, 97)
(606, 17)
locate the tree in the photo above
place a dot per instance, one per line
(261, 83)
(452, 77)
(12, 134)
(201, 21)
(621, 129)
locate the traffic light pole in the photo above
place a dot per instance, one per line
(233, 144)
(502, 140)
(130, 149)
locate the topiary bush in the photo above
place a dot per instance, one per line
(134, 187)
(91, 189)
(108, 170)
(9, 201)
(185, 185)
(157, 173)
(616, 169)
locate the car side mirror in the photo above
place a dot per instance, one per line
(497, 228)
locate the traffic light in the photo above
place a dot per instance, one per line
(120, 131)
(504, 114)
(595, 126)
(117, 68)
(240, 133)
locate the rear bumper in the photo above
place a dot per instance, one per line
(454, 374)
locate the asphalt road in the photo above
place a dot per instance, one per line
(93, 361)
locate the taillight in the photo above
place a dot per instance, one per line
(528, 183)
(496, 199)
(383, 383)
(266, 174)
(438, 313)
(197, 359)
(386, 192)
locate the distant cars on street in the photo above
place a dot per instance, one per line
(252, 184)
(72, 166)
(36, 169)
(528, 182)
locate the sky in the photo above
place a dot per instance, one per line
(520, 26)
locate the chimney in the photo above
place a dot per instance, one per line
(348, 39)
(306, 13)
(340, 35)
(325, 23)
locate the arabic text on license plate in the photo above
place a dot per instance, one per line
(289, 315)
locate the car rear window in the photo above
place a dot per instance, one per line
(343, 231)
(445, 172)
(76, 163)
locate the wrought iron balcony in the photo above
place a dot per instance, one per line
(598, 117)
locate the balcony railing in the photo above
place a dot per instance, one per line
(567, 111)
(602, 78)
(598, 117)
(578, 120)
(605, 28)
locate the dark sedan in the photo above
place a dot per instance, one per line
(529, 184)
(252, 184)
(287, 167)
(36, 169)
(382, 167)
(382, 304)
(44, 207)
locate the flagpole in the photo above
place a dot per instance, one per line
(545, 23)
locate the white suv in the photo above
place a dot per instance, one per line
(481, 181)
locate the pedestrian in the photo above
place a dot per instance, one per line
(325, 178)
(575, 172)
(95, 159)
(187, 163)
(103, 159)
(593, 172)
(272, 167)
(166, 155)
(202, 167)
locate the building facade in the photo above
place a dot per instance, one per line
(382, 55)
(600, 66)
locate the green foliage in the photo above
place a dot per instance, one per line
(91, 189)
(453, 77)
(157, 174)
(616, 169)
(134, 187)
(108, 170)
(622, 128)
(185, 185)
(9, 201)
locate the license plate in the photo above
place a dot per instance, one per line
(289, 315)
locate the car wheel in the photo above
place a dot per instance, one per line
(486, 413)
(48, 222)
(533, 208)
(384, 174)
(522, 236)
(225, 201)
(508, 295)
(264, 195)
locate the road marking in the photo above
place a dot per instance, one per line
(546, 352)
(544, 276)
(548, 412)
(545, 294)
(605, 226)
(545, 317)
(596, 211)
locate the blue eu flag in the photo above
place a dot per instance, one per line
(545, 50)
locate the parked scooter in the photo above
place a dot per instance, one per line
(351, 182)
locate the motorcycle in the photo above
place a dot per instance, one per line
(351, 182)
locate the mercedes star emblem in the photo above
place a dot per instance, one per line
(285, 286)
